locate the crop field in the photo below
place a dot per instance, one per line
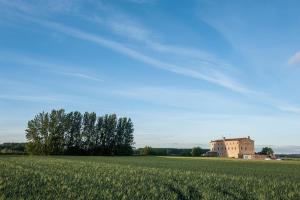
(70, 177)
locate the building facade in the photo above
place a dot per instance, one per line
(233, 147)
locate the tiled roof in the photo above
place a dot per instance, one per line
(230, 139)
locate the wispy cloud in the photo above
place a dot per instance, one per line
(128, 27)
(40, 7)
(184, 99)
(295, 59)
(29, 98)
(79, 75)
(211, 76)
(209, 68)
(288, 108)
(141, 1)
(57, 68)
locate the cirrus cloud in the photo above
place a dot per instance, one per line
(295, 59)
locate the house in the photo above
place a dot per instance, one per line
(233, 147)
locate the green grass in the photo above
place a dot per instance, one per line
(62, 177)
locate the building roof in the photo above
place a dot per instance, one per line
(231, 139)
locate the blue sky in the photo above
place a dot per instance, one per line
(186, 72)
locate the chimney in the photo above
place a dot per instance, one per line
(224, 138)
(248, 137)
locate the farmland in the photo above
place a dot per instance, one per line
(71, 177)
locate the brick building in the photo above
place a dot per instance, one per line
(233, 147)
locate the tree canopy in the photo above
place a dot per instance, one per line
(196, 151)
(59, 132)
(267, 151)
(12, 148)
(146, 151)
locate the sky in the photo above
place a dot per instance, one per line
(185, 72)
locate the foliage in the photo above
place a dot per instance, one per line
(137, 177)
(146, 151)
(57, 133)
(267, 151)
(12, 148)
(170, 151)
(196, 151)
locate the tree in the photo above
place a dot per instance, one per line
(196, 151)
(89, 131)
(108, 133)
(56, 132)
(267, 151)
(73, 137)
(146, 151)
(12, 148)
(99, 139)
(77, 125)
(74, 133)
(127, 136)
(36, 140)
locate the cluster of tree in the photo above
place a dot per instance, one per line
(12, 148)
(267, 151)
(74, 133)
(286, 156)
(147, 150)
(196, 151)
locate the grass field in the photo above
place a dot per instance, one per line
(61, 177)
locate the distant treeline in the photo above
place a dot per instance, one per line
(74, 133)
(288, 155)
(12, 148)
(147, 150)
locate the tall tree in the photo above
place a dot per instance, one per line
(77, 125)
(120, 135)
(69, 130)
(110, 132)
(34, 145)
(89, 130)
(44, 131)
(99, 132)
(128, 136)
(74, 133)
(107, 136)
(56, 131)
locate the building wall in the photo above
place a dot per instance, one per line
(233, 148)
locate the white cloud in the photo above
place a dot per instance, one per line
(39, 7)
(128, 27)
(29, 98)
(214, 77)
(295, 59)
(49, 66)
(125, 26)
(289, 108)
(141, 1)
(80, 75)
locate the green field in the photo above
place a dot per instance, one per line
(62, 177)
